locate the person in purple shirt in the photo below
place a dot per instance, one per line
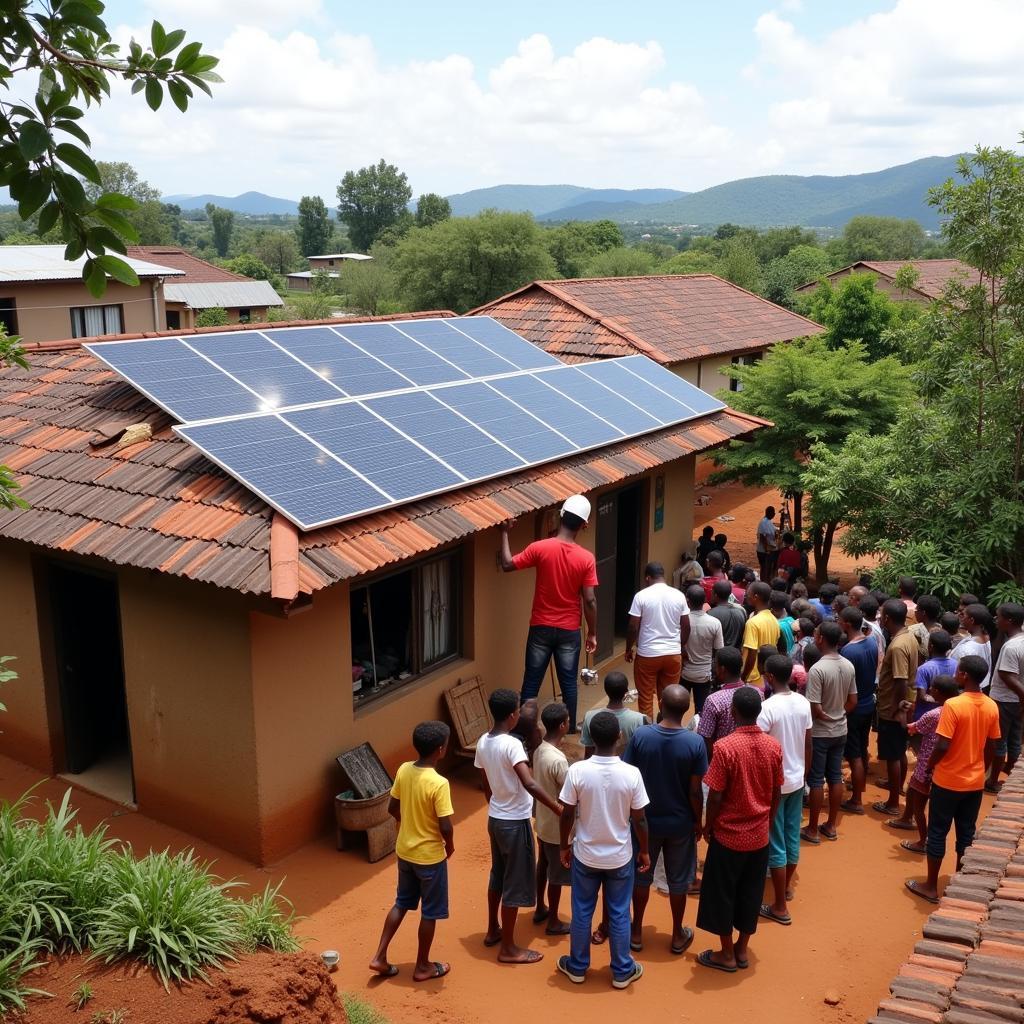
(939, 663)
(716, 721)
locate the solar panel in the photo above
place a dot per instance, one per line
(331, 422)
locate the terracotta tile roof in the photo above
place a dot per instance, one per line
(159, 504)
(671, 318)
(933, 275)
(196, 271)
(968, 967)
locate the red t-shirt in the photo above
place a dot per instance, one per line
(746, 766)
(563, 570)
(789, 558)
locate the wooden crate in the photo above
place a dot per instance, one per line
(467, 704)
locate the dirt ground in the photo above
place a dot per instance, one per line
(853, 925)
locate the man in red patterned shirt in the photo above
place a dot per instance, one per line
(745, 783)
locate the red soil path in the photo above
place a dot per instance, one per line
(853, 925)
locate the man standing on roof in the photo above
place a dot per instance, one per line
(566, 577)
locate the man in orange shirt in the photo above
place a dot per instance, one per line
(967, 733)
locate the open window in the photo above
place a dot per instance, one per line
(405, 624)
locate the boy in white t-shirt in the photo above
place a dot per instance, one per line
(785, 716)
(601, 797)
(511, 790)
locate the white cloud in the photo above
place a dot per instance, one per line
(926, 77)
(201, 14)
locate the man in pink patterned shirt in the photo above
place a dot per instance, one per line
(716, 720)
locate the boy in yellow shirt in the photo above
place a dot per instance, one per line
(421, 803)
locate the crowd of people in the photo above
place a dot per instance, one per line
(785, 689)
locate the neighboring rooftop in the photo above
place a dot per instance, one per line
(341, 256)
(933, 275)
(671, 318)
(160, 504)
(193, 269)
(226, 294)
(20, 263)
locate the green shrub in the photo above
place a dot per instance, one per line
(170, 912)
(266, 924)
(15, 963)
(215, 316)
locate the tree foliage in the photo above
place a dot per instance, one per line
(250, 266)
(575, 244)
(223, 223)
(369, 286)
(882, 238)
(371, 200)
(432, 209)
(11, 354)
(277, 249)
(620, 262)
(815, 396)
(464, 262)
(215, 316)
(43, 145)
(314, 228)
(800, 265)
(941, 496)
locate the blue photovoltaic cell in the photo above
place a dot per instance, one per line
(530, 439)
(606, 403)
(286, 469)
(403, 354)
(582, 427)
(689, 394)
(500, 339)
(259, 364)
(341, 362)
(375, 450)
(612, 374)
(443, 338)
(447, 435)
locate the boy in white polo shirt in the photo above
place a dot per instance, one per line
(601, 796)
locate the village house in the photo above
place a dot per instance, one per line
(695, 324)
(329, 265)
(183, 648)
(932, 277)
(201, 286)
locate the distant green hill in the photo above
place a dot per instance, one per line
(817, 200)
(542, 199)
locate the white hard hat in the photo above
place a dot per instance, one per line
(577, 505)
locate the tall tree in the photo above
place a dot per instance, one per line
(154, 221)
(432, 209)
(784, 274)
(278, 250)
(575, 244)
(371, 200)
(223, 223)
(369, 286)
(44, 145)
(314, 228)
(814, 395)
(882, 238)
(620, 262)
(464, 262)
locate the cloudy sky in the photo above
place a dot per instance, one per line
(463, 94)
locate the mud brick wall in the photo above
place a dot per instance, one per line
(969, 966)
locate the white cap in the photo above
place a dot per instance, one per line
(577, 505)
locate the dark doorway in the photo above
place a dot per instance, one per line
(94, 711)
(617, 550)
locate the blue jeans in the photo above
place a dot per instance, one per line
(543, 643)
(618, 892)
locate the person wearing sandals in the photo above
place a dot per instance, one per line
(672, 762)
(601, 797)
(745, 786)
(968, 731)
(786, 717)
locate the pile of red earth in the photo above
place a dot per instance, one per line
(266, 988)
(969, 967)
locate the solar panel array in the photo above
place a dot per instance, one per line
(330, 423)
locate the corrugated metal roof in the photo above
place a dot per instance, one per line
(47, 263)
(226, 294)
(160, 504)
(341, 256)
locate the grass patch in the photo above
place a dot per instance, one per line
(360, 1012)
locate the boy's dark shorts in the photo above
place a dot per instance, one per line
(426, 882)
(892, 740)
(557, 875)
(680, 853)
(826, 761)
(513, 861)
(858, 732)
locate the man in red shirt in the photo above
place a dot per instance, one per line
(745, 783)
(566, 575)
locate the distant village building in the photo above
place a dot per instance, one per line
(932, 277)
(695, 324)
(302, 281)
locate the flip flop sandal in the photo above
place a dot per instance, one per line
(687, 942)
(830, 836)
(562, 929)
(636, 947)
(742, 964)
(813, 840)
(903, 826)
(491, 943)
(913, 887)
(883, 808)
(540, 916)
(532, 957)
(440, 970)
(910, 847)
(766, 911)
(389, 973)
(704, 959)
(852, 808)
(598, 937)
